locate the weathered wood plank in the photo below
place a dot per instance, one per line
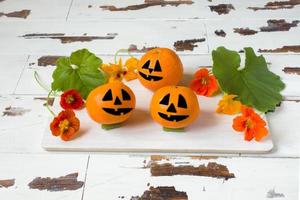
(33, 10)
(262, 35)
(131, 176)
(26, 169)
(102, 38)
(141, 10)
(279, 64)
(11, 67)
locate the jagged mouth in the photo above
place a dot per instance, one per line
(150, 77)
(119, 111)
(176, 118)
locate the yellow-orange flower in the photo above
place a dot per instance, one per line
(227, 105)
(120, 71)
(251, 124)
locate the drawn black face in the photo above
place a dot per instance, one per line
(116, 102)
(148, 71)
(171, 113)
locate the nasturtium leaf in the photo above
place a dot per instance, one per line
(254, 84)
(80, 71)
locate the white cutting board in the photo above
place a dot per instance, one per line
(211, 132)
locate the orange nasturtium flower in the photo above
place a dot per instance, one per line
(250, 123)
(65, 125)
(228, 105)
(118, 71)
(204, 84)
(71, 99)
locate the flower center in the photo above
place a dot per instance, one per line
(64, 125)
(204, 81)
(249, 123)
(70, 99)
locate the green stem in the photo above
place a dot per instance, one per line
(119, 51)
(47, 103)
(38, 80)
(173, 129)
(110, 126)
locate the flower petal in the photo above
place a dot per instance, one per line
(69, 134)
(200, 73)
(130, 76)
(131, 64)
(239, 123)
(249, 135)
(260, 132)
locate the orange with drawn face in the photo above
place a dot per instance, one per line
(159, 67)
(174, 106)
(111, 103)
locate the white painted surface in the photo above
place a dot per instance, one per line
(150, 34)
(39, 9)
(20, 136)
(24, 168)
(11, 67)
(110, 177)
(198, 10)
(260, 40)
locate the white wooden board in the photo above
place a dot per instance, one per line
(113, 176)
(39, 9)
(114, 36)
(90, 10)
(260, 40)
(24, 168)
(210, 133)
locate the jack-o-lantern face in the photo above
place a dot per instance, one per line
(174, 106)
(159, 67)
(111, 103)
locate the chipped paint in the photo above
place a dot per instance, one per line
(291, 70)
(220, 33)
(146, 4)
(244, 31)
(135, 49)
(69, 39)
(14, 111)
(272, 194)
(183, 45)
(50, 100)
(162, 193)
(204, 157)
(275, 5)
(212, 169)
(47, 60)
(278, 25)
(284, 49)
(17, 14)
(68, 182)
(7, 183)
(159, 157)
(222, 8)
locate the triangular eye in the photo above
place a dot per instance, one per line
(165, 100)
(181, 102)
(108, 96)
(157, 67)
(125, 95)
(146, 65)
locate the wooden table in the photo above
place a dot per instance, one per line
(42, 29)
